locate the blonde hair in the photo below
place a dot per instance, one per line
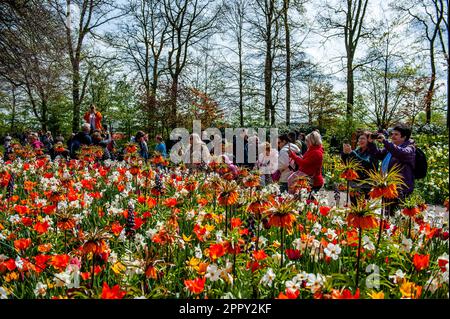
(314, 138)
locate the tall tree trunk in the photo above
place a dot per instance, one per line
(44, 121)
(268, 82)
(350, 88)
(173, 102)
(241, 81)
(13, 115)
(76, 98)
(288, 62)
(430, 91)
(310, 119)
(272, 113)
(384, 123)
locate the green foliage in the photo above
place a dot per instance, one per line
(434, 187)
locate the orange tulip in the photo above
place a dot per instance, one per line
(421, 262)
(112, 293)
(22, 244)
(60, 262)
(259, 255)
(216, 251)
(195, 286)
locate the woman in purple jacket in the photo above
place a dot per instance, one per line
(402, 151)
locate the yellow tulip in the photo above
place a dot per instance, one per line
(376, 295)
(118, 268)
(187, 239)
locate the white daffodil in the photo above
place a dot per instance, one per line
(315, 282)
(198, 252)
(268, 278)
(332, 251)
(40, 290)
(331, 234)
(399, 275)
(367, 243)
(213, 272)
(406, 244)
(317, 228)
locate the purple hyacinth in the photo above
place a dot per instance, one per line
(129, 227)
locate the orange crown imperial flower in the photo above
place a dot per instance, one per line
(385, 185)
(228, 195)
(282, 213)
(362, 215)
(349, 174)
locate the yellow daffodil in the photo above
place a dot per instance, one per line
(118, 268)
(193, 262)
(376, 295)
(410, 290)
(187, 239)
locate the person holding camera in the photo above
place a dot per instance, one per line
(400, 150)
(365, 159)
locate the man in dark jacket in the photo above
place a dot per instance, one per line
(401, 151)
(80, 139)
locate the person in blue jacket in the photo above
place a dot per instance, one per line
(160, 146)
(365, 159)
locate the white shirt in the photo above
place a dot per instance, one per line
(268, 164)
(284, 161)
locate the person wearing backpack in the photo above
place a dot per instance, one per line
(400, 150)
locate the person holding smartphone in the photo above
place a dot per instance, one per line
(401, 150)
(311, 162)
(365, 159)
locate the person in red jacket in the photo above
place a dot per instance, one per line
(94, 118)
(311, 162)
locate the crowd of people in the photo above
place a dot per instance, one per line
(296, 157)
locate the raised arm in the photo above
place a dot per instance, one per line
(404, 154)
(375, 152)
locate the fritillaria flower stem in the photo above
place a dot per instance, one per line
(226, 220)
(348, 191)
(381, 223)
(65, 240)
(358, 257)
(234, 261)
(93, 271)
(282, 246)
(258, 222)
(409, 227)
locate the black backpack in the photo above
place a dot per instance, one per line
(420, 171)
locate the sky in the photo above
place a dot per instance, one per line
(325, 52)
